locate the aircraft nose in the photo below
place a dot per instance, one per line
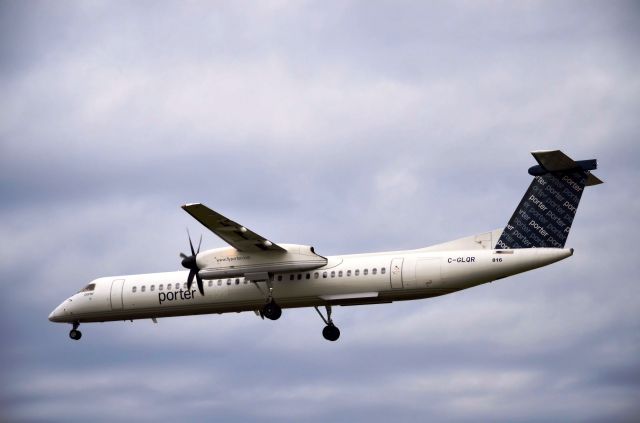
(53, 316)
(57, 314)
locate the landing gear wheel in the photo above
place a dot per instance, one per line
(75, 334)
(331, 332)
(272, 311)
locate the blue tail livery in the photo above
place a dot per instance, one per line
(544, 216)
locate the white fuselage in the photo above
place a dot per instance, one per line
(344, 280)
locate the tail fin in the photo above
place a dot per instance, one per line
(545, 214)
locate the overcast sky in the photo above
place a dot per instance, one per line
(350, 126)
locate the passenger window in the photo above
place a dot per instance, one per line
(237, 281)
(246, 281)
(168, 287)
(383, 270)
(324, 275)
(299, 276)
(153, 288)
(348, 272)
(219, 282)
(279, 277)
(357, 272)
(210, 284)
(142, 288)
(374, 271)
(160, 287)
(228, 281)
(333, 273)
(340, 274)
(308, 276)
(292, 277)
(185, 285)
(316, 275)
(365, 272)
(133, 289)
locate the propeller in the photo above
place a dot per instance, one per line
(189, 262)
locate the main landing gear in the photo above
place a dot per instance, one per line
(271, 309)
(331, 331)
(75, 334)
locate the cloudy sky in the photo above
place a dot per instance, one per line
(352, 126)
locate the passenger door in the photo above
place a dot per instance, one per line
(116, 294)
(396, 273)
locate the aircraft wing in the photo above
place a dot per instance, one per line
(236, 235)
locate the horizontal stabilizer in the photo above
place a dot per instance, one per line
(553, 161)
(593, 180)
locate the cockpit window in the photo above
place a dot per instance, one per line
(88, 288)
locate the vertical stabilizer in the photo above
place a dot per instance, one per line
(544, 216)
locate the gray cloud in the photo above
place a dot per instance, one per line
(350, 126)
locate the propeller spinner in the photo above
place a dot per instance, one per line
(189, 262)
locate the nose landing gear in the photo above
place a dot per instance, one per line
(331, 331)
(75, 334)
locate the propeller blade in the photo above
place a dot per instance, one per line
(200, 285)
(183, 255)
(199, 243)
(192, 273)
(193, 253)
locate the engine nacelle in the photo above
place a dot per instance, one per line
(228, 262)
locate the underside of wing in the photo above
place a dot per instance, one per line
(236, 235)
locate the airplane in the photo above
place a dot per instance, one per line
(256, 274)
